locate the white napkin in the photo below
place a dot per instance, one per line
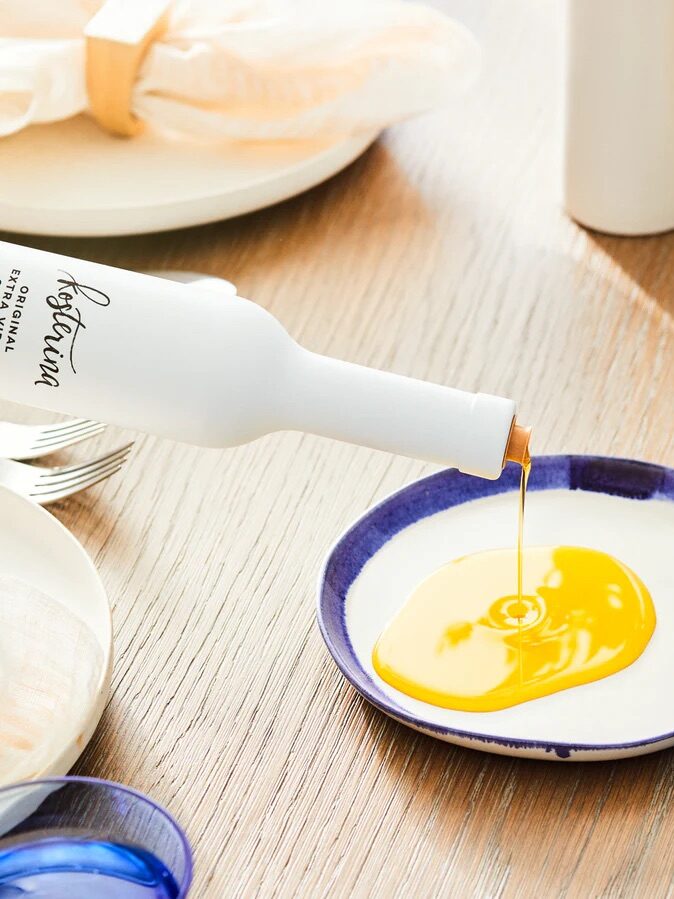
(245, 69)
(50, 668)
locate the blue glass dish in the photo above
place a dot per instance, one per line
(82, 838)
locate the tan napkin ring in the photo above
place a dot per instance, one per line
(117, 39)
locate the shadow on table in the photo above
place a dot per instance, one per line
(647, 261)
(370, 195)
(104, 756)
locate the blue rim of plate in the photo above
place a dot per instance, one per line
(627, 478)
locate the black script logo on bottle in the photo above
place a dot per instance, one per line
(66, 325)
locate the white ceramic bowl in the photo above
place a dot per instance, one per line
(620, 506)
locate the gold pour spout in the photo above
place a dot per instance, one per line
(517, 449)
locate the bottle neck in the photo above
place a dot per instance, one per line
(400, 415)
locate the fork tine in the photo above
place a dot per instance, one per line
(45, 445)
(63, 492)
(76, 483)
(82, 477)
(67, 482)
(68, 431)
(67, 425)
(76, 480)
(85, 466)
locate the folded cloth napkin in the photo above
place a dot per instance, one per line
(244, 69)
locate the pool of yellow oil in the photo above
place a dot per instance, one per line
(501, 627)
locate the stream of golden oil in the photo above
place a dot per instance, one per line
(524, 480)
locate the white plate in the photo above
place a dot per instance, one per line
(622, 507)
(72, 179)
(36, 548)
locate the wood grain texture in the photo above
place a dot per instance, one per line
(444, 254)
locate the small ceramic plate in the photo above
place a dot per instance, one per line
(72, 179)
(36, 548)
(622, 507)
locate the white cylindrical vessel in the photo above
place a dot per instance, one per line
(619, 115)
(201, 367)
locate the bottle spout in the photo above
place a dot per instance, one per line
(517, 448)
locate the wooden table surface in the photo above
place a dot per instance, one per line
(443, 253)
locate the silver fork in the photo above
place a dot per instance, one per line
(47, 485)
(31, 441)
